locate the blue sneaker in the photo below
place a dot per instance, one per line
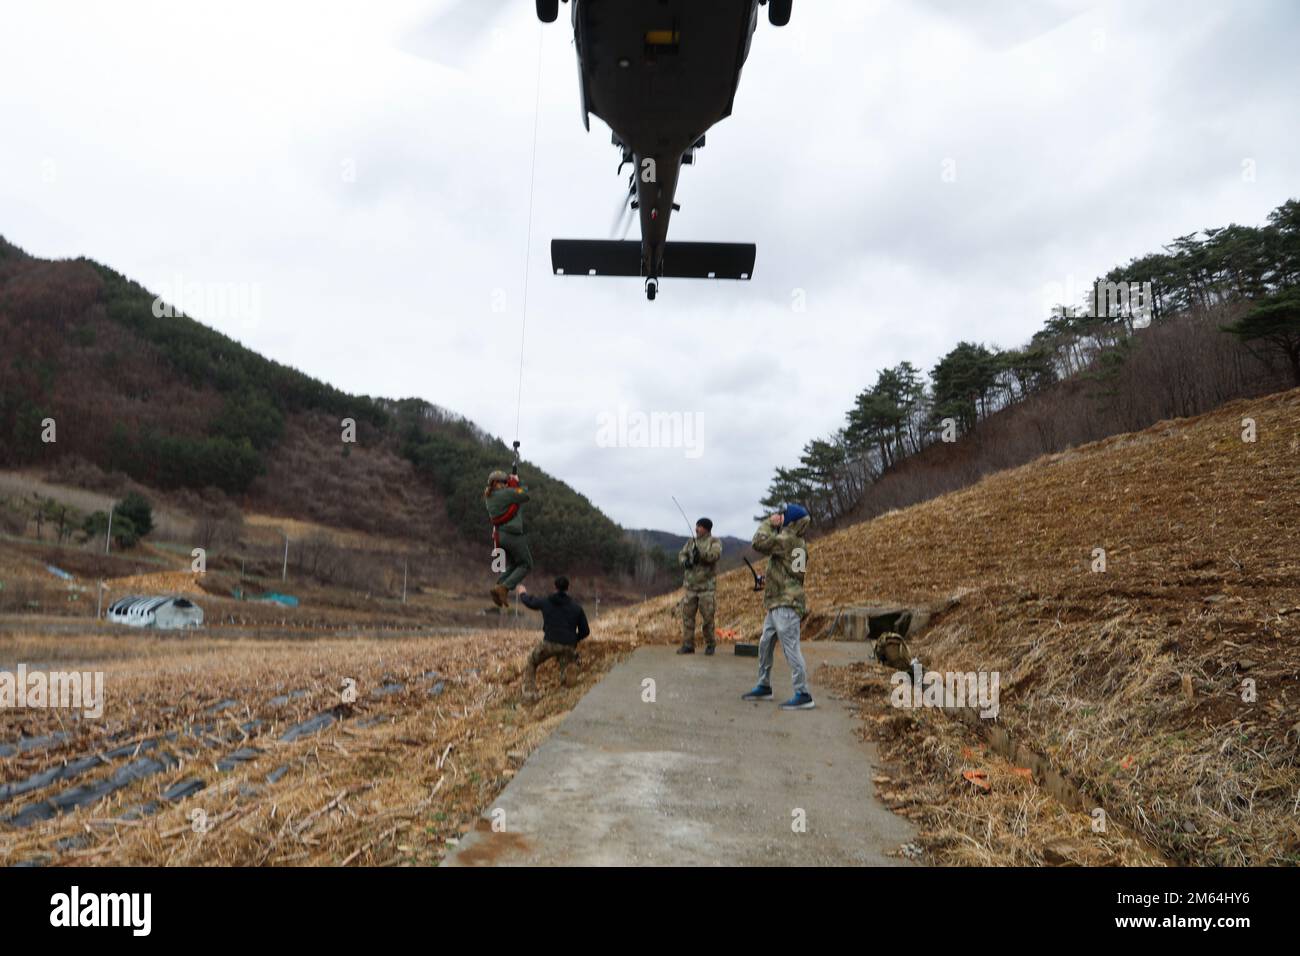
(802, 701)
(760, 692)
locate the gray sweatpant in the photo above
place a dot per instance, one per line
(782, 622)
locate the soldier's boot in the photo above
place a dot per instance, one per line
(688, 640)
(709, 648)
(501, 596)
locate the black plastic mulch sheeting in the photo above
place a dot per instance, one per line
(143, 767)
(26, 744)
(233, 759)
(72, 769)
(184, 788)
(283, 699)
(312, 726)
(90, 793)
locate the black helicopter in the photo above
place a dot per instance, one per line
(659, 73)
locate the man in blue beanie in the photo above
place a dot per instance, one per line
(780, 537)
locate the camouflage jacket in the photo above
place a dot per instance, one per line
(703, 574)
(787, 560)
(499, 504)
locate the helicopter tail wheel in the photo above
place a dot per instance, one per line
(651, 288)
(778, 12)
(548, 10)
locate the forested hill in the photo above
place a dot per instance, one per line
(1213, 317)
(180, 407)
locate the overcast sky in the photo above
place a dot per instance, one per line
(913, 173)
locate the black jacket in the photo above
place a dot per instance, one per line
(563, 620)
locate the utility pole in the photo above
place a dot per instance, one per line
(404, 563)
(108, 535)
(284, 571)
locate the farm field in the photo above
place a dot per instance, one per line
(253, 739)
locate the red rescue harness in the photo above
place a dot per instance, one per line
(499, 520)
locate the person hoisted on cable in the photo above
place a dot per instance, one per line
(504, 498)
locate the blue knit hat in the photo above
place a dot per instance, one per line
(793, 513)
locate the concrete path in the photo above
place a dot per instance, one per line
(698, 777)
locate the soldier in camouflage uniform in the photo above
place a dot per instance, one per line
(504, 498)
(781, 538)
(699, 557)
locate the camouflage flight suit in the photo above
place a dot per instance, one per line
(783, 598)
(700, 581)
(509, 534)
(543, 652)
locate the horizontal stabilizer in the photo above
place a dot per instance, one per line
(682, 260)
(595, 257)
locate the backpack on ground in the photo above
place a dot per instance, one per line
(892, 651)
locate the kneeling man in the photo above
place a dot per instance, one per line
(564, 624)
